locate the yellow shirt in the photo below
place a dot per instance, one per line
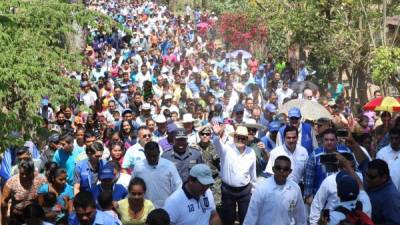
(126, 219)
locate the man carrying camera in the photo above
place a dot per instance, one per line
(322, 162)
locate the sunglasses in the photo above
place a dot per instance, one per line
(252, 130)
(239, 113)
(146, 135)
(205, 134)
(241, 138)
(284, 169)
(372, 177)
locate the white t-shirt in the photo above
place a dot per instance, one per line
(89, 98)
(186, 210)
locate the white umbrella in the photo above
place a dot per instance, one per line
(309, 109)
(245, 54)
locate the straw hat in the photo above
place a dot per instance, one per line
(251, 123)
(240, 130)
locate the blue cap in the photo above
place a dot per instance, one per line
(214, 78)
(238, 108)
(171, 128)
(294, 112)
(127, 110)
(261, 68)
(270, 107)
(274, 126)
(203, 174)
(347, 187)
(106, 172)
(217, 119)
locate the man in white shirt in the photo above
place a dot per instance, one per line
(284, 92)
(143, 75)
(391, 155)
(193, 204)
(238, 173)
(277, 200)
(161, 176)
(88, 96)
(297, 154)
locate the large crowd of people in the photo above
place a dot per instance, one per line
(178, 130)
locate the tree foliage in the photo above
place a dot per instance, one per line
(342, 35)
(239, 31)
(35, 51)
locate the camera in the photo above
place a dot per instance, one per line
(342, 133)
(328, 158)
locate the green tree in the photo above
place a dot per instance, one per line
(35, 50)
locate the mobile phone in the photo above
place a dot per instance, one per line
(342, 133)
(328, 158)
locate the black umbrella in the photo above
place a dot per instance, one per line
(300, 86)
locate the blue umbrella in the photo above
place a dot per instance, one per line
(245, 54)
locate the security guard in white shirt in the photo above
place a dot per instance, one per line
(193, 204)
(297, 154)
(391, 155)
(277, 200)
(238, 173)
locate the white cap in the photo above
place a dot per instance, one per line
(167, 96)
(160, 119)
(146, 106)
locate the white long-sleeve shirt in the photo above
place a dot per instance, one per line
(273, 204)
(237, 169)
(298, 160)
(327, 198)
(161, 180)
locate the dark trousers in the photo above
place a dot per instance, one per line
(232, 197)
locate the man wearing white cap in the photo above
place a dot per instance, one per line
(238, 172)
(145, 114)
(161, 130)
(167, 104)
(194, 202)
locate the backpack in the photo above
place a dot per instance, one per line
(355, 216)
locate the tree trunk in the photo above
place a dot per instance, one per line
(362, 94)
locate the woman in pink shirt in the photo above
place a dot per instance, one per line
(253, 64)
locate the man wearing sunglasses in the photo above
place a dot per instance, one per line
(306, 136)
(135, 153)
(238, 172)
(277, 200)
(211, 159)
(385, 198)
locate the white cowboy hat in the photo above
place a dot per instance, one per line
(251, 123)
(188, 118)
(160, 119)
(240, 130)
